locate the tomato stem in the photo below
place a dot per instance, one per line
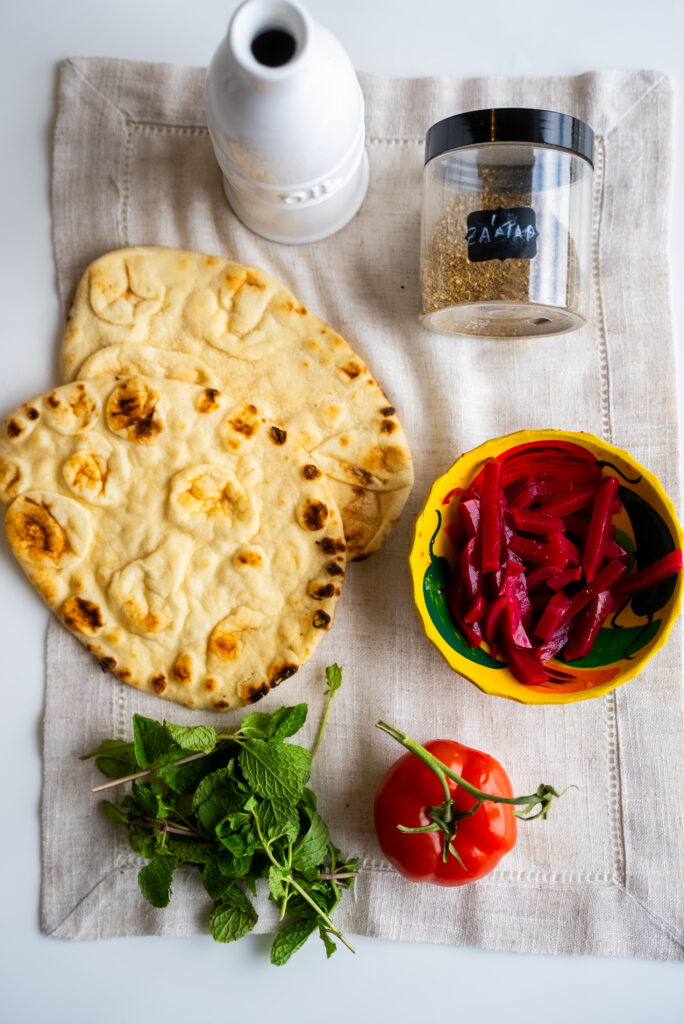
(538, 802)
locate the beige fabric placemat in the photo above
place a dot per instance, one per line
(133, 165)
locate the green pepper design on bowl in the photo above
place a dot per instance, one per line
(646, 528)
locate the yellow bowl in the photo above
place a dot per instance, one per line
(634, 634)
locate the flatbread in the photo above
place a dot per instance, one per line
(263, 345)
(190, 543)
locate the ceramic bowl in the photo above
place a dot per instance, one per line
(647, 528)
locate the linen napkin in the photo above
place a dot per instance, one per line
(133, 164)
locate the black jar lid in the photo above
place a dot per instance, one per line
(510, 124)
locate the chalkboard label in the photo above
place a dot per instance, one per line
(502, 234)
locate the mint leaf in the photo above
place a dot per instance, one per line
(333, 675)
(155, 880)
(309, 800)
(234, 843)
(199, 738)
(189, 851)
(279, 819)
(277, 882)
(150, 739)
(330, 946)
(215, 797)
(233, 917)
(116, 759)
(114, 813)
(312, 848)
(148, 801)
(206, 787)
(234, 867)
(238, 811)
(290, 939)
(214, 881)
(234, 821)
(276, 727)
(185, 778)
(143, 843)
(288, 721)
(257, 724)
(279, 773)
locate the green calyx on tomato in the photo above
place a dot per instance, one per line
(434, 820)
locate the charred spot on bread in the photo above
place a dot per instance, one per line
(254, 692)
(280, 672)
(82, 616)
(158, 683)
(132, 411)
(34, 534)
(352, 369)
(208, 400)
(314, 514)
(332, 545)
(246, 422)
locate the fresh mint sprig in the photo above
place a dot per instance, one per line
(236, 806)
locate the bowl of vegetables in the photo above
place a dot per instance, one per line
(546, 566)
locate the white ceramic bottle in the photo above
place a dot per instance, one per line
(286, 118)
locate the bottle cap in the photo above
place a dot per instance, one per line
(510, 124)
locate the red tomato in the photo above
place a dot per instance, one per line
(408, 792)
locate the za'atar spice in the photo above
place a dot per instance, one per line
(506, 228)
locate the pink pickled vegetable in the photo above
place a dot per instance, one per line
(597, 534)
(564, 577)
(539, 552)
(470, 514)
(667, 566)
(605, 579)
(593, 617)
(523, 664)
(538, 577)
(562, 504)
(492, 617)
(490, 510)
(552, 616)
(538, 569)
(536, 522)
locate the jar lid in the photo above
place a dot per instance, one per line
(510, 124)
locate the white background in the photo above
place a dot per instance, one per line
(190, 979)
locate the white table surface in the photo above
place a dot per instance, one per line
(44, 979)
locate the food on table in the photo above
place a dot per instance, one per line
(189, 542)
(446, 814)
(235, 806)
(262, 345)
(538, 567)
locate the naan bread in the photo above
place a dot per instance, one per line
(262, 345)
(189, 542)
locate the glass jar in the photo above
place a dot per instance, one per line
(506, 224)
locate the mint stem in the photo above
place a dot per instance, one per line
(322, 725)
(334, 676)
(220, 737)
(302, 892)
